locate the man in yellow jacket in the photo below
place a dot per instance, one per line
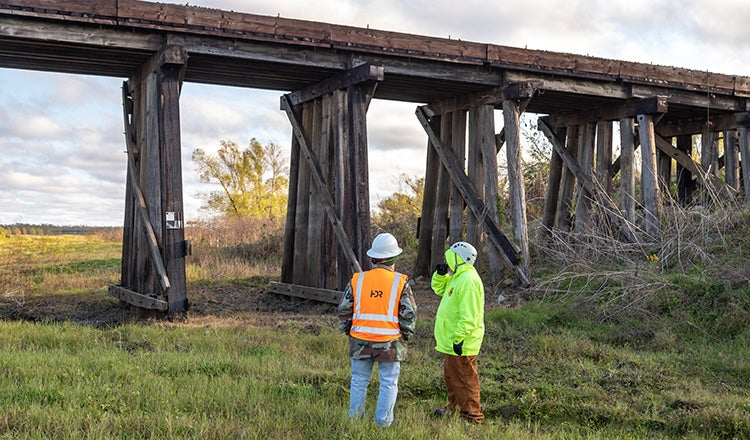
(379, 314)
(459, 329)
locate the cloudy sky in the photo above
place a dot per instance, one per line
(61, 138)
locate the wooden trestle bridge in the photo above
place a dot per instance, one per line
(328, 74)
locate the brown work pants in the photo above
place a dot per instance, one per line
(462, 385)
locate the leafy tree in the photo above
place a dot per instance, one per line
(398, 213)
(253, 181)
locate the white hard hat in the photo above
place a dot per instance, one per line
(466, 251)
(384, 246)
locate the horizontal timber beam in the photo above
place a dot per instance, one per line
(492, 96)
(138, 299)
(715, 122)
(701, 100)
(646, 106)
(360, 74)
(312, 293)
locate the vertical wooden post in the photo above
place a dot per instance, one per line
(685, 182)
(171, 169)
(129, 251)
(745, 159)
(425, 258)
(627, 174)
(649, 183)
(359, 100)
(457, 205)
(731, 159)
(567, 186)
(317, 218)
(664, 171)
(343, 189)
(553, 191)
(458, 145)
(604, 155)
(515, 178)
(440, 222)
(302, 212)
(290, 227)
(330, 172)
(586, 161)
(709, 161)
(475, 170)
(486, 133)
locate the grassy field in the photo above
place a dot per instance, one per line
(644, 349)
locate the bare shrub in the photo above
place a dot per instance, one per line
(615, 280)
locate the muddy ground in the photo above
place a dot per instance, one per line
(249, 304)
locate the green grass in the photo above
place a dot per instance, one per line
(559, 367)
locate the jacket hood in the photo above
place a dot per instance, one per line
(453, 259)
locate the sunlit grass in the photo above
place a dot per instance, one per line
(663, 357)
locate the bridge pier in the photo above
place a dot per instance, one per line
(154, 248)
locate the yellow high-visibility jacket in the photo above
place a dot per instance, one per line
(460, 316)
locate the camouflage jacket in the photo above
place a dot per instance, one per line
(394, 350)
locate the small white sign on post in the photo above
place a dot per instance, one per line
(173, 220)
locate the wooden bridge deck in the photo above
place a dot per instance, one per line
(115, 37)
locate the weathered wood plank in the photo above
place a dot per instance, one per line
(429, 201)
(650, 193)
(290, 227)
(172, 61)
(456, 204)
(586, 164)
(627, 168)
(731, 159)
(475, 171)
(552, 194)
(651, 105)
(359, 101)
(304, 192)
(604, 155)
(306, 292)
(343, 191)
(567, 185)
(717, 122)
(315, 236)
(440, 219)
(685, 183)
(517, 194)
(357, 75)
(745, 159)
(138, 299)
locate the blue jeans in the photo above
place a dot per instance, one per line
(361, 370)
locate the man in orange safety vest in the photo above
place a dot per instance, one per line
(379, 314)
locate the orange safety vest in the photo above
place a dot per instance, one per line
(376, 293)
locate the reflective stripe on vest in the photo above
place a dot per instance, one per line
(375, 315)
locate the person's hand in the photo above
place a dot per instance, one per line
(441, 269)
(458, 348)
